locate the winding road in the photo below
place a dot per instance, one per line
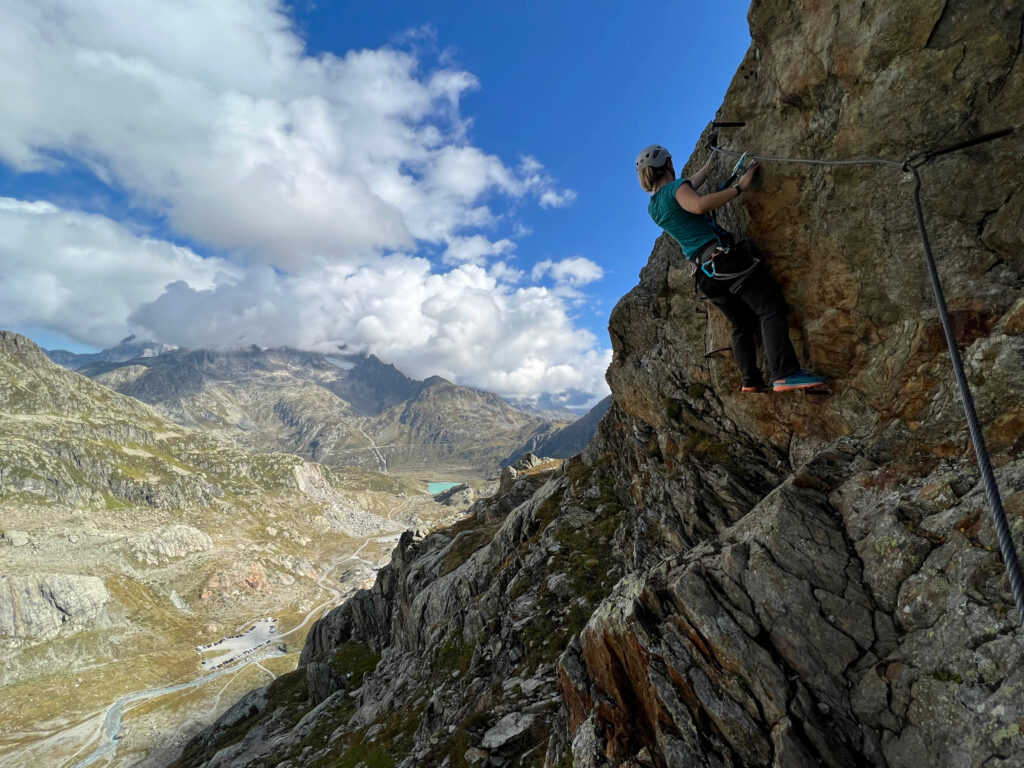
(378, 454)
(112, 720)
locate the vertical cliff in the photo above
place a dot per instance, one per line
(857, 614)
(725, 579)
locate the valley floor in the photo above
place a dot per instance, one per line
(162, 666)
(152, 720)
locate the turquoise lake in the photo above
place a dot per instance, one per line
(440, 487)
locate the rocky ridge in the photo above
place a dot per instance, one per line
(565, 442)
(128, 348)
(428, 678)
(723, 579)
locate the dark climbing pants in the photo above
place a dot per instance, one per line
(757, 305)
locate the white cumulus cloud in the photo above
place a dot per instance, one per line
(84, 274)
(466, 324)
(319, 177)
(213, 115)
(575, 271)
(475, 249)
(569, 276)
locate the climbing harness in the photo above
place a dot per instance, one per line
(911, 166)
(708, 260)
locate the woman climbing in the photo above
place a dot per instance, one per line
(735, 282)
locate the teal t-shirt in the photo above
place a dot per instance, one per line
(692, 231)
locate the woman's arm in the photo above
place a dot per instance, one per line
(690, 200)
(698, 179)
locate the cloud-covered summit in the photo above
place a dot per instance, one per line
(335, 190)
(464, 324)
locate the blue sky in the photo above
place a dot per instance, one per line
(447, 185)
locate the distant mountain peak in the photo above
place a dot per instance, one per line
(372, 362)
(438, 381)
(128, 348)
(373, 385)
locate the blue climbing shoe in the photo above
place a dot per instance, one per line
(799, 379)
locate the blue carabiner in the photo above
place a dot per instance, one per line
(719, 250)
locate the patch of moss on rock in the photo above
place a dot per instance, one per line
(586, 559)
(454, 655)
(353, 660)
(464, 545)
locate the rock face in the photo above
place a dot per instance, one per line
(726, 580)
(15, 538)
(167, 542)
(856, 614)
(300, 566)
(39, 607)
(248, 579)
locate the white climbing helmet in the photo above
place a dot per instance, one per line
(654, 156)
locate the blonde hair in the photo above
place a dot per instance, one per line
(651, 178)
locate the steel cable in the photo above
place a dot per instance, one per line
(811, 161)
(1006, 545)
(1007, 548)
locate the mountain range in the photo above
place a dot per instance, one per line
(156, 498)
(126, 540)
(126, 349)
(368, 414)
